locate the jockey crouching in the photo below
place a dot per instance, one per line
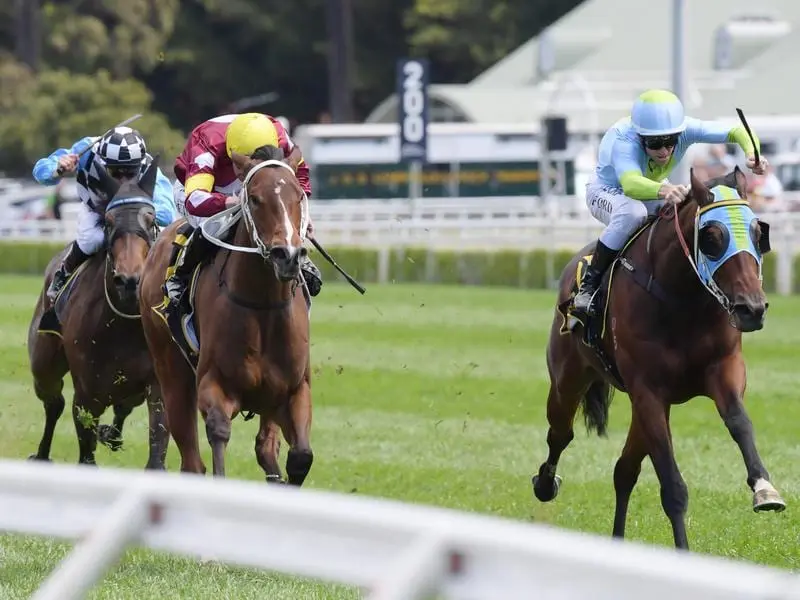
(123, 153)
(635, 157)
(208, 181)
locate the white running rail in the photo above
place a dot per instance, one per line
(393, 551)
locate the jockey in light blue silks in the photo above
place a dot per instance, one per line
(123, 153)
(630, 181)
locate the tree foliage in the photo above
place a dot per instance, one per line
(182, 61)
(58, 108)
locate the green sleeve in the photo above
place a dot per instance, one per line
(637, 186)
(738, 135)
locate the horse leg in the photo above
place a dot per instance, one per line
(48, 366)
(158, 431)
(626, 474)
(217, 410)
(651, 414)
(726, 385)
(54, 403)
(86, 415)
(268, 448)
(298, 432)
(569, 380)
(111, 435)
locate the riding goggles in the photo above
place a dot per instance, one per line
(656, 142)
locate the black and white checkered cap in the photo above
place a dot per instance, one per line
(122, 147)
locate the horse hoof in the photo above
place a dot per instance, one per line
(275, 479)
(546, 490)
(768, 499)
(108, 436)
(36, 457)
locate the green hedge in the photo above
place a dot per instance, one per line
(534, 269)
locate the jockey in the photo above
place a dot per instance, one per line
(123, 153)
(207, 182)
(630, 182)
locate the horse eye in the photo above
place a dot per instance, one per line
(755, 231)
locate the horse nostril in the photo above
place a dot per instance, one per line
(303, 252)
(119, 280)
(280, 253)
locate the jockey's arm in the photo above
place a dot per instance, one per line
(163, 199)
(712, 132)
(626, 165)
(45, 171)
(201, 200)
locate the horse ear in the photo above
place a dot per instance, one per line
(739, 181)
(698, 190)
(108, 185)
(147, 182)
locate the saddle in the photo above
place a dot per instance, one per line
(50, 322)
(182, 325)
(593, 328)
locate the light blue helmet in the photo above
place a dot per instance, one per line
(658, 112)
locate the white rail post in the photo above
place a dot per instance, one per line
(87, 563)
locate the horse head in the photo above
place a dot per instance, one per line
(727, 242)
(129, 227)
(274, 210)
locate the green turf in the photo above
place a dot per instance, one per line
(437, 395)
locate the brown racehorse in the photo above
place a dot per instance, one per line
(253, 325)
(97, 336)
(671, 340)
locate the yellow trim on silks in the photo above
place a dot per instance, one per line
(562, 308)
(202, 181)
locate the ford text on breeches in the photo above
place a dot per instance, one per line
(621, 215)
(90, 236)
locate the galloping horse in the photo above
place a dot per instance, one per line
(252, 324)
(670, 328)
(93, 330)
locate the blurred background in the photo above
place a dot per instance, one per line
(512, 97)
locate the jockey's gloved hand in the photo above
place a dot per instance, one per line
(759, 169)
(67, 164)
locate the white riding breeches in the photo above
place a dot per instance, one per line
(90, 236)
(179, 196)
(621, 215)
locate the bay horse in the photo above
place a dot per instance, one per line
(251, 323)
(685, 288)
(94, 332)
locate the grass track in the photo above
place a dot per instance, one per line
(436, 395)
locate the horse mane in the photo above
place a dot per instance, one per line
(267, 153)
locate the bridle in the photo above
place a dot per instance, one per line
(260, 246)
(694, 258)
(148, 234)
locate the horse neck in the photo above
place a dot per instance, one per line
(249, 277)
(674, 271)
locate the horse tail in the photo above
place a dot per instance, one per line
(595, 403)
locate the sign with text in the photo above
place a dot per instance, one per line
(412, 110)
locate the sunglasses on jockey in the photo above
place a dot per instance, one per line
(656, 142)
(122, 172)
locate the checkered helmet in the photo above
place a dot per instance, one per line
(122, 147)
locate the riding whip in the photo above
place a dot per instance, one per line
(750, 133)
(330, 259)
(122, 124)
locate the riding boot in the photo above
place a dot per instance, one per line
(602, 258)
(312, 275)
(196, 248)
(74, 258)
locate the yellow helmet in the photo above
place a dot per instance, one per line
(248, 132)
